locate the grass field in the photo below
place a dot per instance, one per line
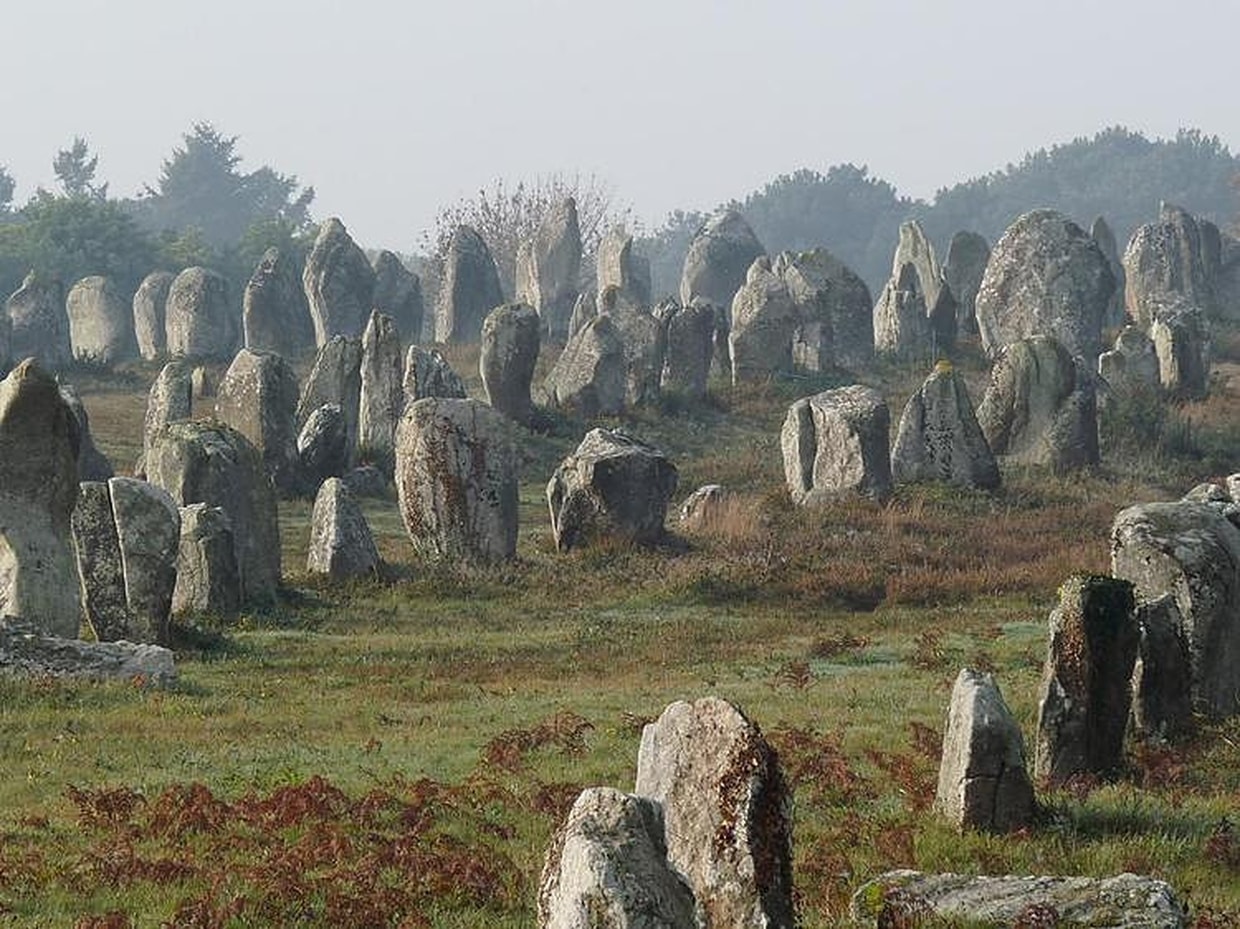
(396, 752)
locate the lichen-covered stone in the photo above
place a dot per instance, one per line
(201, 323)
(718, 260)
(208, 579)
(338, 282)
(398, 294)
(39, 325)
(99, 562)
(258, 398)
(323, 445)
(28, 651)
(150, 327)
(341, 545)
(336, 378)
(688, 347)
(835, 443)
(618, 265)
(148, 532)
(901, 318)
(170, 400)
(382, 398)
(470, 288)
(836, 311)
(428, 374)
(1181, 337)
(1162, 681)
(549, 274)
(1164, 261)
(765, 319)
(510, 339)
(591, 373)
(274, 314)
(938, 438)
(100, 321)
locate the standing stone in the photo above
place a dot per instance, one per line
(274, 312)
(39, 324)
(1162, 681)
(1040, 407)
(1166, 260)
(1101, 233)
(1047, 277)
(549, 275)
(204, 462)
(38, 489)
(901, 320)
(1191, 551)
(719, 259)
(1227, 283)
(591, 373)
(618, 265)
(914, 249)
(150, 325)
(428, 374)
(100, 322)
(258, 398)
(323, 445)
(612, 485)
(398, 294)
(335, 378)
(1181, 337)
(727, 812)
(208, 579)
(836, 310)
(456, 479)
(584, 310)
(382, 397)
(338, 282)
(509, 355)
(690, 333)
(644, 340)
(983, 780)
(835, 443)
(1133, 364)
(99, 563)
(967, 256)
(340, 542)
(201, 323)
(148, 532)
(93, 465)
(170, 400)
(764, 320)
(1086, 697)
(469, 290)
(607, 868)
(939, 439)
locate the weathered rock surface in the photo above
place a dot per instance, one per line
(341, 545)
(99, 566)
(1191, 551)
(1132, 365)
(584, 310)
(612, 485)
(1181, 337)
(1127, 901)
(1162, 692)
(644, 338)
(382, 398)
(323, 445)
(727, 812)
(338, 282)
(29, 651)
(549, 275)
(510, 338)
(274, 314)
(1101, 233)
(150, 327)
(1045, 277)
(835, 443)
(607, 868)
(967, 256)
(689, 333)
(1086, 683)
(702, 507)
(764, 321)
(1166, 260)
(983, 780)
(335, 378)
(258, 398)
(719, 258)
(398, 294)
(200, 321)
(901, 318)
(470, 288)
(38, 488)
(208, 579)
(93, 465)
(456, 479)
(203, 462)
(170, 400)
(100, 321)
(938, 438)
(914, 249)
(618, 265)
(39, 326)
(1040, 407)
(428, 375)
(148, 532)
(836, 310)
(591, 373)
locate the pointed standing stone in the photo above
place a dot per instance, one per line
(398, 294)
(341, 545)
(339, 284)
(939, 439)
(470, 288)
(258, 398)
(382, 398)
(274, 312)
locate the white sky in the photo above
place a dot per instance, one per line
(391, 109)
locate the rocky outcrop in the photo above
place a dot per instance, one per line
(613, 485)
(510, 337)
(618, 265)
(983, 780)
(764, 320)
(100, 322)
(1045, 277)
(939, 439)
(398, 294)
(150, 325)
(336, 378)
(428, 374)
(274, 314)
(338, 282)
(258, 398)
(200, 321)
(382, 398)
(967, 256)
(341, 545)
(456, 479)
(469, 290)
(727, 812)
(549, 273)
(208, 579)
(591, 373)
(39, 326)
(719, 259)
(836, 443)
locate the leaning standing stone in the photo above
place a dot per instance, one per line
(148, 531)
(509, 353)
(150, 326)
(99, 563)
(339, 284)
(591, 373)
(274, 313)
(939, 439)
(836, 443)
(341, 545)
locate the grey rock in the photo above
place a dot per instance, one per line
(1101, 233)
(338, 282)
(258, 398)
(469, 290)
(590, 376)
(1126, 901)
(323, 445)
(1181, 337)
(584, 310)
(1040, 407)
(99, 563)
(764, 321)
(38, 488)
(983, 780)
(1162, 697)
(39, 325)
(607, 868)
(398, 294)
(150, 325)
(367, 481)
(1046, 277)
(644, 340)
(100, 321)
(28, 651)
(612, 485)
(618, 265)
(836, 310)
(967, 256)
(901, 318)
(549, 276)
(274, 314)
(201, 323)
(1166, 260)
(202, 382)
(428, 375)
(938, 438)
(1207, 492)
(727, 812)
(382, 398)
(341, 545)
(335, 378)
(456, 479)
(835, 443)
(510, 339)
(702, 507)
(170, 400)
(689, 344)
(93, 465)
(914, 249)
(208, 578)
(1086, 683)
(719, 259)
(148, 532)
(1133, 364)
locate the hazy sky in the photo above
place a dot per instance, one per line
(391, 109)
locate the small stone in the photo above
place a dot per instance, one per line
(341, 545)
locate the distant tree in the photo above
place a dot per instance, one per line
(75, 171)
(8, 186)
